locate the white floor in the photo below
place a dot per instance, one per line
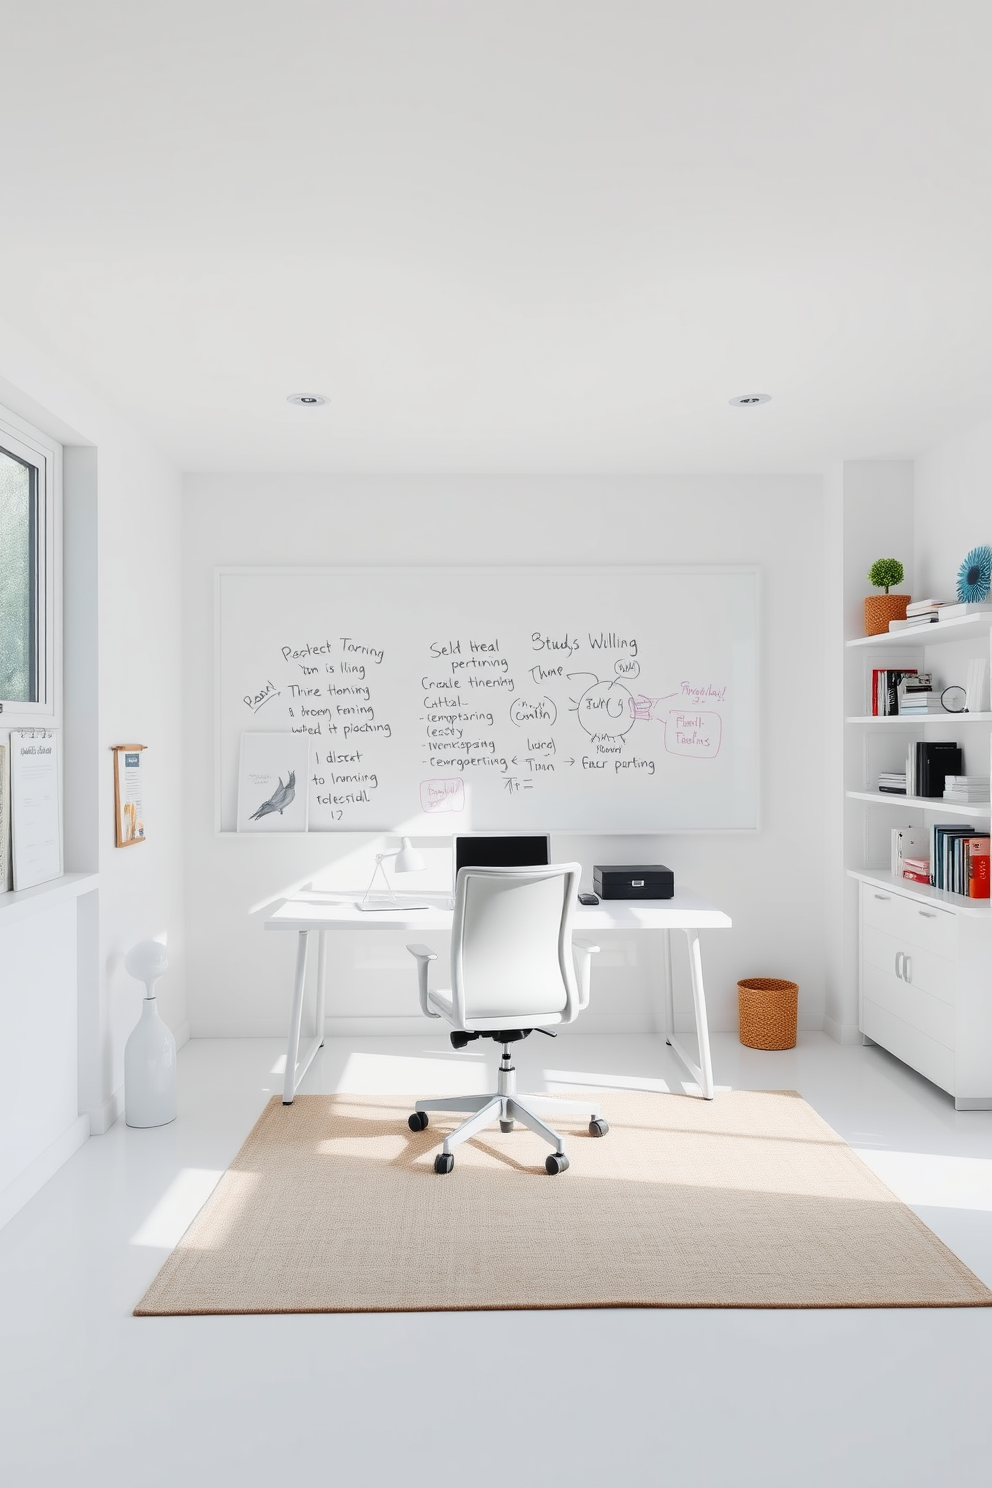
(90, 1395)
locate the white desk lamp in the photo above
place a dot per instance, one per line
(408, 860)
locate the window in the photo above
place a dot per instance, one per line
(29, 578)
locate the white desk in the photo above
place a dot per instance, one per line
(312, 910)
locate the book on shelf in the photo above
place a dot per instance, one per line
(933, 760)
(924, 606)
(885, 689)
(912, 622)
(952, 851)
(892, 783)
(907, 845)
(978, 877)
(966, 788)
(921, 876)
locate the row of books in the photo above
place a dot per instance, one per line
(945, 856)
(885, 690)
(908, 692)
(959, 860)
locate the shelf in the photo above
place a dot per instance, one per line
(928, 803)
(923, 718)
(17, 905)
(959, 629)
(923, 892)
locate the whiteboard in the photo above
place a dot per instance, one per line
(616, 700)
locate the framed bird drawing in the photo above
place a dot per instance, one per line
(272, 783)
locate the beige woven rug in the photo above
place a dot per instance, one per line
(750, 1200)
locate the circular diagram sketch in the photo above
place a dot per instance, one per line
(606, 709)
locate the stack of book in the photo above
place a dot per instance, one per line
(928, 766)
(920, 612)
(917, 870)
(885, 690)
(916, 696)
(892, 783)
(959, 860)
(966, 788)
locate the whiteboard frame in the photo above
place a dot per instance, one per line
(383, 572)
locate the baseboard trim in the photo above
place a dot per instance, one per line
(841, 1033)
(102, 1118)
(34, 1177)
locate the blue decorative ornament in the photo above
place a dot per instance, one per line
(975, 576)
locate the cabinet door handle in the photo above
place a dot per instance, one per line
(899, 957)
(907, 968)
(884, 897)
(928, 914)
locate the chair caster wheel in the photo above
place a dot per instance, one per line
(556, 1163)
(444, 1162)
(506, 1126)
(417, 1121)
(598, 1127)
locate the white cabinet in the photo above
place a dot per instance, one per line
(926, 985)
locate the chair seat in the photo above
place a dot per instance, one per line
(489, 1022)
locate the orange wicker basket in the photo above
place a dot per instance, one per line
(768, 1012)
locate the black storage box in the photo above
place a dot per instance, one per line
(633, 881)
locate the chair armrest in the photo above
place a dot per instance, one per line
(424, 956)
(582, 954)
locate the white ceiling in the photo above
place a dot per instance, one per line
(513, 235)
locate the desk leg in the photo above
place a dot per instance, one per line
(702, 1072)
(669, 989)
(295, 1019)
(321, 987)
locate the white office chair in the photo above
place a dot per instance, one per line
(515, 967)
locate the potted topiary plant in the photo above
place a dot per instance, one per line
(881, 608)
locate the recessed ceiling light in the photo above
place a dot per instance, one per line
(745, 400)
(307, 400)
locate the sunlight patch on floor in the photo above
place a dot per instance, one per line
(384, 1074)
(177, 1208)
(583, 1079)
(932, 1179)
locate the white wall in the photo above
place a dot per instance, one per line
(771, 883)
(953, 508)
(123, 684)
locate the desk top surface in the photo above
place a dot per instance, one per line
(313, 909)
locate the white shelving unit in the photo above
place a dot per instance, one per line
(924, 955)
(925, 803)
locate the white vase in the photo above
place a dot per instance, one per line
(150, 1070)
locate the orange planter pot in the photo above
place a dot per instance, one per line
(881, 608)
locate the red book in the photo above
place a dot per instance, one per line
(978, 867)
(874, 691)
(916, 877)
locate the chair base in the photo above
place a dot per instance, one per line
(506, 1106)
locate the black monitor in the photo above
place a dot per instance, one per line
(500, 852)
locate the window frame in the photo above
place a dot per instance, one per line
(25, 442)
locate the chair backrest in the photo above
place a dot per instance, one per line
(511, 943)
